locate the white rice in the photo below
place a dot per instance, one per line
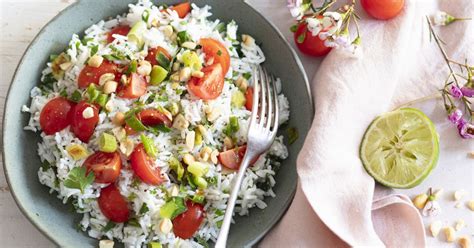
(259, 179)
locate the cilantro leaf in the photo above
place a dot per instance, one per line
(79, 179)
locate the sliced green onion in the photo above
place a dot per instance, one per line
(182, 37)
(238, 99)
(175, 165)
(154, 245)
(158, 74)
(198, 169)
(191, 59)
(301, 37)
(133, 222)
(136, 33)
(221, 27)
(198, 198)
(144, 209)
(92, 92)
(135, 123)
(163, 61)
(146, 15)
(102, 99)
(247, 75)
(94, 50)
(232, 127)
(149, 146)
(173, 208)
(107, 143)
(200, 182)
(159, 129)
(109, 226)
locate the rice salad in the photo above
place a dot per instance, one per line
(144, 121)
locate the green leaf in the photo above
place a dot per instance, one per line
(86, 40)
(301, 38)
(182, 37)
(292, 135)
(133, 222)
(247, 75)
(76, 96)
(159, 128)
(135, 123)
(109, 226)
(144, 209)
(175, 165)
(79, 179)
(173, 208)
(219, 52)
(45, 166)
(221, 27)
(202, 242)
(94, 50)
(293, 28)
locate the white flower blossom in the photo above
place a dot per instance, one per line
(297, 8)
(343, 41)
(332, 22)
(441, 18)
(314, 26)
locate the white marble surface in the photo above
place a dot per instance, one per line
(20, 21)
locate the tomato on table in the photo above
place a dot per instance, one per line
(217, 51)
(91, 74)
(249, 98)
(183, 9)
(106, 166)
(152, 52)
(187, 223)
(82, 127)
(210, 86)
(311, 45)
(143, 166)
(55, 115)
(153, 117)
(121, 30)
(135, 87)
(231, 159)
(383, 9)
(113, 205)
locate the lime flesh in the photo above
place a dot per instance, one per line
(400, 148)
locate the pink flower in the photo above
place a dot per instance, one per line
(467, 91)
(454, 116)
(455, 91)
(466, 129)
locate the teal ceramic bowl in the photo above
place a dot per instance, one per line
(56, 220)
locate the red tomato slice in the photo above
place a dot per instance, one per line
(129, 130)
(84, 128)
(153, 117)
(249, 98)
(383, 9)
(311, 45)
(187, 223)
(106, 166)
(216, 50)
(231, 159)
(210, 86)
(91, 74)
(151, 57)
(142, 165)
(55, 115)
(113, 205)
(121, 30)
(136, 87)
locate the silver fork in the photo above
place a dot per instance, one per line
(261, 133)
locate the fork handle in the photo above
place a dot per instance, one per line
(224, 232)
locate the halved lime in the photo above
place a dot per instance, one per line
(400, 148)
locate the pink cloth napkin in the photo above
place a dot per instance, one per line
(337, 203)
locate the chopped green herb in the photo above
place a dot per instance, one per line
(78, 178)
(173, 208)
(176, 166)
(149, 146)
(78, 44)
(198, 198)
(76, 96)
(133, 222)
(293, 28)
(63, 93)
(159, 128)
(102, 99)
(219, 52)
(47, 82)
(202, 242)
(45, 166)
(212, 180)
(163, 61)
(144, 209)
(247, 75)
(94, 50)
(132, 196)
(221, 27)
(292, 135)
(135, 123)
(109, 226)
(301, 38)
(146, 15)
(182, 37)
(219, 212)
(86, 40)
(232, 127)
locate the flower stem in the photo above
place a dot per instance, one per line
(418, 100)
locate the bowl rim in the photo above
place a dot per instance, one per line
(29, 215)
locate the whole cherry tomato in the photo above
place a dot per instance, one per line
(309, 44)
(383, 9)
(55, 115)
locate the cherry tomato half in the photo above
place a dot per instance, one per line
(136, 87)
(183, 9)
(249, 98)
(151, 57)
(121, 30)
(91, 74)
(311, 45)
(82, 127)
(153, 117)
(113, 205)
(55, 115)
(216, 50)
(210, 86)
(187, 223)
(143, 166)
(106, 166)
(382, 9)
